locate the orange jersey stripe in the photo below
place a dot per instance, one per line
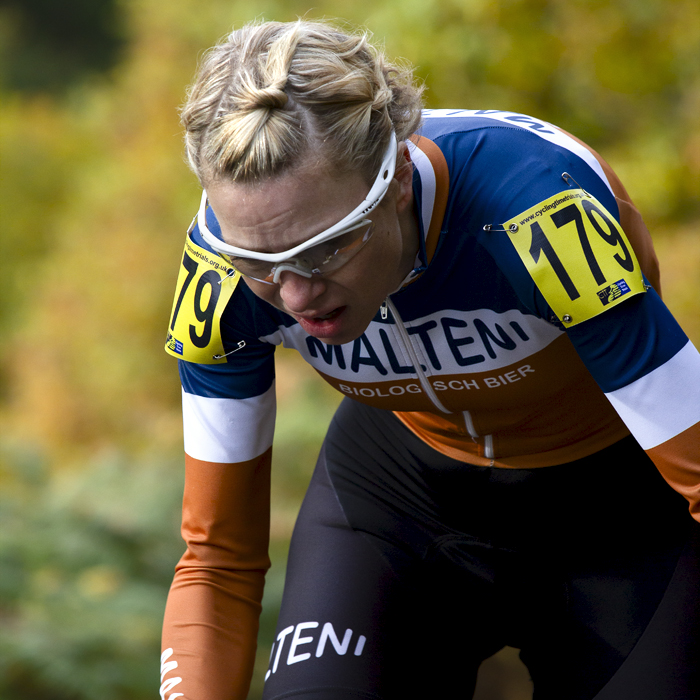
(442, 186)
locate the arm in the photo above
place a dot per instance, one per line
(581, 249)
(660, 402)
(211, 618)
(650, 372)
(631, 344)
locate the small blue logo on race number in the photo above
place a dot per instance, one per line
(614, 291)
(174, 344)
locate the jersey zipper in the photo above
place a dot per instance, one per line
(425, 384)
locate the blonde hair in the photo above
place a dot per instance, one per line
(272, 92)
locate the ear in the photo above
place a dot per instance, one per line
(404, 176)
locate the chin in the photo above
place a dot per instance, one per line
(346, 335)
(339, 338)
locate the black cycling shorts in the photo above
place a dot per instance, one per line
(407, 569)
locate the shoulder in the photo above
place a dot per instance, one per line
(498, 153)
(214, 313)
(456, 129)
(540, 202)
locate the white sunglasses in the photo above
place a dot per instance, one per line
(323, 253)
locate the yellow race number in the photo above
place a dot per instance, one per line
(577, 254)
(204, 286)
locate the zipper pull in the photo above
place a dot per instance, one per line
(384, 310)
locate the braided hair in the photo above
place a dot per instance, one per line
(272, 93)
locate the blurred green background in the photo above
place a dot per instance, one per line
(95, 200)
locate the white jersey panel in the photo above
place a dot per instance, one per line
(663, 403)
(446, 342)
(228, 430)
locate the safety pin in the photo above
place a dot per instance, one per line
(239, 346)
(566, 177)
(513, 228)
(230, 273)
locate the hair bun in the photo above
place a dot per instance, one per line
(271, 98)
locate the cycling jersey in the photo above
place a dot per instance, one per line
(529, 334)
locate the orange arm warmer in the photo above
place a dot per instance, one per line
(211, 618)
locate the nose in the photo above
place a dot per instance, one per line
(299, 293)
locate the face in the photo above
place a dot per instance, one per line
(291, 208)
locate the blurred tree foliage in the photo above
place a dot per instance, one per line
(49, 45)
(85, 558)
(95, 199)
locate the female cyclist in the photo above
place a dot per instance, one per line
(518, 445)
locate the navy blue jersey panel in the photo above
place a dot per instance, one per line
(478, 284)
(628, 341)
(489, 185)
(251, 376)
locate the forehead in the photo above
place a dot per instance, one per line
(282, 212)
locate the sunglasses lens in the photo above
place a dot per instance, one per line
(333, 254)
(255, 269)
(319, 259)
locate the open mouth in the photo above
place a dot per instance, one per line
(329, 315)
(326, 325)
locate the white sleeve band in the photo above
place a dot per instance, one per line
(228, 430)
(665, 402)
